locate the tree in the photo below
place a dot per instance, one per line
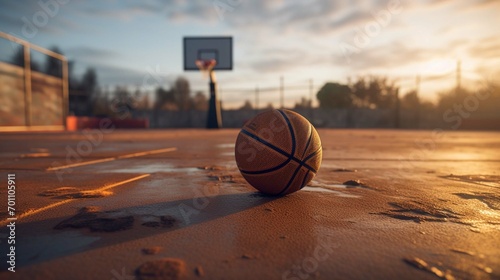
(18, 57)
(410, 100)
(182, 91)
(448, 99)
(53, 66)
(374, 92)
(88, 84)
(200, 101)
(304, 103)
(164, 98)
(334, 95)
(247, 105)
(88, 87)
(123, 103)
(73, 83)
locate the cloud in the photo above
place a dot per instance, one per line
(486, 49)
(174, 10)
(109, 75)
(392, 55)
(481, 4)
(52, 19)
(103, 60)
(84, 53)
(281, 60)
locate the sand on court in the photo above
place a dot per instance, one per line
(385, 205)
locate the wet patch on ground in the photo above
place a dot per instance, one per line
(484, 180)
(463, 252)
(154, 168)
(349, 184)
(433, 269)
(68, 192)
(166, 221)
(326, 190)
(222, 178)
(420, 212)
(212, 168)
(223, 175)
(58, 191)
(110, 221)
(490, 199)
(95, 220)
(344, 170)
(474, 269)
(354, 184)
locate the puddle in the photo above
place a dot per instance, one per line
(324, 185)
(43, 247)
(421, 212)
(490, 213)
(489, 199)
(67, 192)
(222, 178)
(486, 180)
(324, 190)
(155, 168)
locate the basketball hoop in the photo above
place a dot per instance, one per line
(206, 67)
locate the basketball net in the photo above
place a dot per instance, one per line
(206, 67)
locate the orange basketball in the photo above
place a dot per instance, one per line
(278, 152)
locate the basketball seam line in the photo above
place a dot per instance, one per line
(292, 132)
(302, 185)
(258, 139)
(267, 170)
(308, 141)
(290, 157)
(313, 154)
(291, 180)
(300, 166)
(301, 163)
(297, 170)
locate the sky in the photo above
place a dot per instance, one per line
(308, 42)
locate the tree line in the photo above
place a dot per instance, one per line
(88, 98)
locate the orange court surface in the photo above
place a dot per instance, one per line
(171, 204)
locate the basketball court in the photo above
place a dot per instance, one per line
(385, 204)
(172, 204)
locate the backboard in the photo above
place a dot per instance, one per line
(207, 48)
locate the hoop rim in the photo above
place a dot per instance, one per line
(205, 64)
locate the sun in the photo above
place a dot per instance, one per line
(438, 67)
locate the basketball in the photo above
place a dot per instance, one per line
(278, 152)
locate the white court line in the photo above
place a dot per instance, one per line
(139, 154)
(41, 209)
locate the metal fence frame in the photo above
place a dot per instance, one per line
(27, 47)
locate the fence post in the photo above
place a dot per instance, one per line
(27, 83)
